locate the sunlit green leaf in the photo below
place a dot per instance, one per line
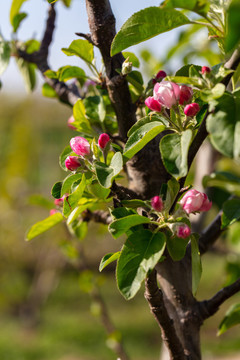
(231, 319)
(81, 48)
(44, 225)
(132, 58)
(15, 8)
(108, 259)
(146, 24)
(120, 226)
(233, 25)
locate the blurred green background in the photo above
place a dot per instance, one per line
(44, 312)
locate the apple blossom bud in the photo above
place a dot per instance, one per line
(53, 211)
(194, 201)
(126, 67)
(160, 75)
(80, 146)
(191, 109)
(167, 93)
(59, 202)
(183, 231)
(103, 140)
(72, 163)
(153, 104)
(186, 94)
(205, 69)
(157, 203)
(70, 121)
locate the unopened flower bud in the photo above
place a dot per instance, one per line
(157, 203)
(80, 146)
(194, 201)
(70, 121)
(59, 202)
(103, 140)
(186, 94)
(160, 75)
(153, 104)
(167, 93)
(183, 231)
(205, 70)
(191, 109)
(126, 67)
(53, 211)
(72, 163)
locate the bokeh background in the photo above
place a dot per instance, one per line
(47, 311)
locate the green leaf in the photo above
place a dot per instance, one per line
(184, 70)
(42, 226)
(71, 201)
(68, 182)
(195, 81)
(216, 92)
(108, 259)
(174, 152)
(222, 124)
(52, 1)
(98, 191)
(139, 255)
(66, 152)
(106, 174)
(133, 203)
(199, 6)
(28, 73)
(223, 180)
(146, 24)
(231, 212)
(56, 190)
(132, 58)
(81, 48)
(146, 120)
(15, 8)
(176, 247)
(231, 319)
(233, 25)
(196, 264)
(172, 191)
(69, 72)
(48, 91)
(67, 3)
(120, 226)
(121, 212)
(18, 18)
(141, 137)
(81, 122)
(5, 53)
(135, 78)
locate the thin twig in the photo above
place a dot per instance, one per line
(211, 306)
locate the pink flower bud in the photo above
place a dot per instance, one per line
(72, 163)
(167, 93)
(160, 75)
(205, 69)
(194, 201)
(191, 109)
(153, 104)
(157, 203)
(183, 231)
(186, 94)
(59, 202)
(53, 211)
(70, 121)
(80, 146)
(103, 140)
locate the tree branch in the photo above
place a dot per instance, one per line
(67, 94)
(154, 297)
(211, 306)
(102, 26)
(99, 216)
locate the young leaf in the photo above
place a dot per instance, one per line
(68, 182)
(15, 8)
(69, 72)
(106, 174)
(141, 137)
(133, 203)
(17, 20)
(223, 180)
(48, 91)
(172, 191)
(71, 201)
(28, 73)
(81, 122)
(174, 152)
(196, 264)
(231, 212)
(146, 24)
(233, 24)
(108, 259)
(146, 120)
(121, 226)
(199, 6)
(81, 48)
(132, 58)
(139, 255)
(5, 52)
(177, 247)
(231, 319)
(42, 226)
(66, 152)
(56, 190)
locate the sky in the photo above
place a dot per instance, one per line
(68, 22)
